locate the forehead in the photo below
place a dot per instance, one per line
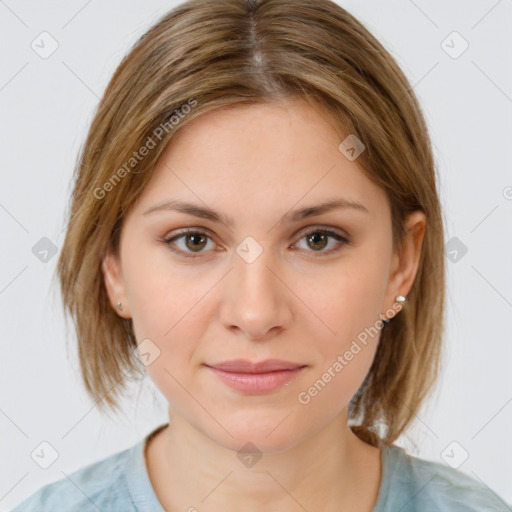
(272, 154)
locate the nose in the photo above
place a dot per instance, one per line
(255, 302)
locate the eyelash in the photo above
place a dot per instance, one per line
(193, 231)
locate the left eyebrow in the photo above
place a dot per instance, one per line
(311, 211)
(205, 212)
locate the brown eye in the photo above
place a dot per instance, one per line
(317, 240)
(189, 242)
(195, 241)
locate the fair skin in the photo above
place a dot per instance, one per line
(298, 300)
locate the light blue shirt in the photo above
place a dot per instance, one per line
(120, 483)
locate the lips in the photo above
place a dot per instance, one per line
(256, 378)
(246, 366)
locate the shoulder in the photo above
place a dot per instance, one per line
(98, 486)
(419, 485)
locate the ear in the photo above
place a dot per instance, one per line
(406, 258)
(114, 283)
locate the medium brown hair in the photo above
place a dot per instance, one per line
(207, 55)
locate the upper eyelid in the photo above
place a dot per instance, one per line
(304, 231)
(345, 238)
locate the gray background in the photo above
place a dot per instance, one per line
(46, 105)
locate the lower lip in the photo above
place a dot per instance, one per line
(256, 383)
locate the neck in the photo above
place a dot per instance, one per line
(330, 470)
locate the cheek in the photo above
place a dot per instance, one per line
(160, 295)
(346, 300)
(351, 309)
(167, 307)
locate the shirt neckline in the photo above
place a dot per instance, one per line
(145, 500)
(141, 490)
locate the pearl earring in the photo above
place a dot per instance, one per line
(398, 298)
(119, 306)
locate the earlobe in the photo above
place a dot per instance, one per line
(114, 284)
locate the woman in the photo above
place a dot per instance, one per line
(255, 224)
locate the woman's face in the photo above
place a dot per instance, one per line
(267, 284)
